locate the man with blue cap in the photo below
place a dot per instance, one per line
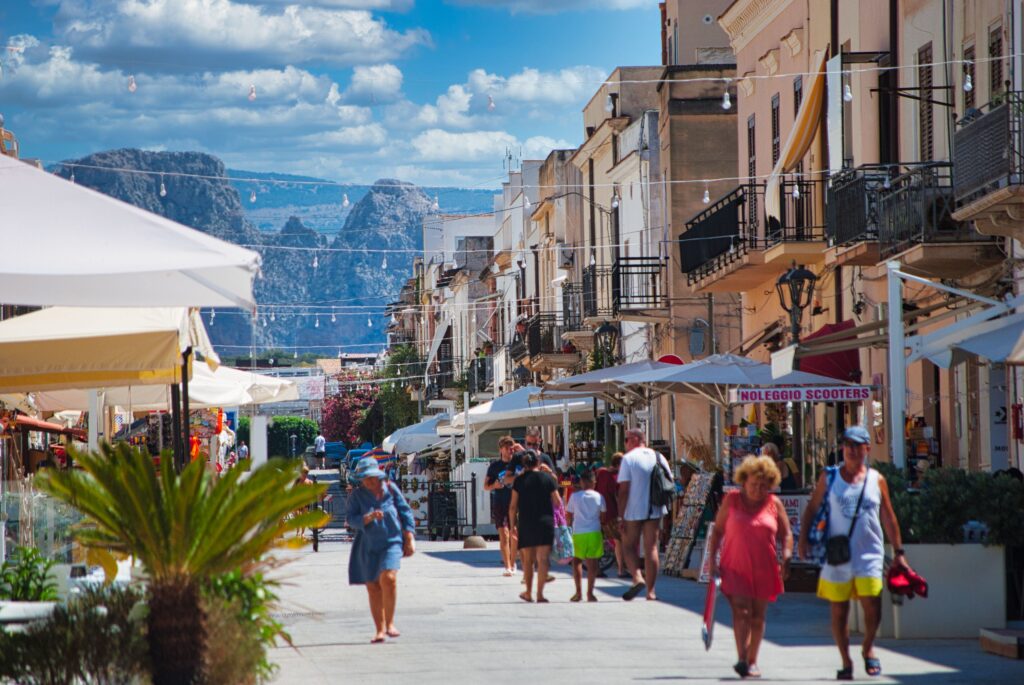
(385, 532)
(859, 507)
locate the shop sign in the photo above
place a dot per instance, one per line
(838, 393)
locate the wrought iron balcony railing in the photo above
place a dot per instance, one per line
(988, 148)
(638, 283)
(597, 292)
(852, 211)
(736, 224)
(544, 335)
(918, 208)
(402, 336)
(481, 374)
(572, 306)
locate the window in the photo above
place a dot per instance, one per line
(798, 94)
(969, 97)
(752, 169)
(775, 129)
(995, 69)
(925, 116)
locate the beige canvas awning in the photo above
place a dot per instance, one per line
(97, 347)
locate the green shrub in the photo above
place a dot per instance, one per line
(25, 577)
(283, 427)
(252, 598)
(236, 655)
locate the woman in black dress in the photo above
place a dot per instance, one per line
(534, 498)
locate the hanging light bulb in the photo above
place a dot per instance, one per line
(264, 322)
(796, 191)
(887, 184)
(316, 262)
(593, 258)
(273, 317)
(72, 177)
(609, 104)
(968, 83)
(296, 354)
(369, 322)
(726, 101)
(317, 324)
(344, 201)
(132, 86)
(163, 188)
(490, 104)
(394, 319)
(252, 92)
(384, 263)
(334, 319)
(615, 200)
(707, 195)
(252, 196)
(437, 205)
(847, 93)
(213, 315)
(526, 202)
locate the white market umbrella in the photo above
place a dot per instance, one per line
(604, 382)
(416, 437)
(525, 407)
(65, 244)
(713, 377)
(225, 387)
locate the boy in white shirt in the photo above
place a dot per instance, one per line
(584, 515)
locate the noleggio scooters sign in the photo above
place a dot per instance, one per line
(838, 393)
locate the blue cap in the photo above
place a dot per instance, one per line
(857, 434)
(367, 468)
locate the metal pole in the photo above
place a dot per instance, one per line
(472, 480)
(470, 452)
(186, 429)
(565, 432)
(897, 367)
(795, 315)
(179, 457)
(716, 410)
(675, 438)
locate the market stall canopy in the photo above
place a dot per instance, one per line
(225, 387)
(97, 347)
(997, 340)
(525, 407)
(607, 381)
(78, 247)
(416, 437)
(713, 377)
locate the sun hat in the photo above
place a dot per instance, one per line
(367, 468)
(857, 435)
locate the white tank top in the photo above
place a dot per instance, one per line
(867, 549)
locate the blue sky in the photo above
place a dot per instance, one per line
(350, 90)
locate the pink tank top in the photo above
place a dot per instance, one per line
(749, 562)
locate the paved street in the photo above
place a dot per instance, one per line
(462, 622)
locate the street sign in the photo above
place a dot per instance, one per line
(837, 393)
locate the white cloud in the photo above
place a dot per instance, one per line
(183, 34)
(565, 86)
(392, 5)
(375, 84)
(553, 6)
(436, 145)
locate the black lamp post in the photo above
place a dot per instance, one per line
(606, 339)
(521, 375)
(796, 290)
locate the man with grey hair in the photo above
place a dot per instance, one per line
(534, 442)
(636, 515)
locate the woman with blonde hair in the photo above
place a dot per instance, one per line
(748, 527)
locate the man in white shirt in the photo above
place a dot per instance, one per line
(636, 515)
(320, 449)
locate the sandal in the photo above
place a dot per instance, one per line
(872, 666)
(633, 591)
(591, 598)
(575, 598)
(741, 668)
(753, 671)
(845, 673)
(525, 597)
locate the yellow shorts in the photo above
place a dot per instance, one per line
(842, 592)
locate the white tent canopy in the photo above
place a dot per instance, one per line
(69, 245)
(416, 437)
(605, 381)
(713, 376)
(525, 407)
(225, 387)
(97, 347)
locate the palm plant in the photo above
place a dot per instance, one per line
(185, 529)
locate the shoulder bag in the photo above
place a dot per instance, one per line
(837, 550)
(817, 532)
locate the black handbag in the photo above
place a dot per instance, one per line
(837, 548)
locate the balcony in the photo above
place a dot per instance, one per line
(988, 149)
(546, 349)
(597, 294)
(639, 290)
(853, 215)
(401, 336)
(918, 228)
(446, 380)
(730, 247)
(480, 374)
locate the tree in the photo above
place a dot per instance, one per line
(394, 408)
(186, 529)
(345, 412)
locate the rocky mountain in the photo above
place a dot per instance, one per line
(320, 291)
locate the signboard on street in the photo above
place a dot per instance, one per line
(837, 393)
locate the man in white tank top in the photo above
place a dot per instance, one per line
(855, 484)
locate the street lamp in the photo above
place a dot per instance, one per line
(796, 289)
(521, 375)
(606, 338)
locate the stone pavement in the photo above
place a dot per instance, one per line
(462, 623)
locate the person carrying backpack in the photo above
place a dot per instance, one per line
(645, 491)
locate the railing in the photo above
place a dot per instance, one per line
(852, 212)
(481, 374)
(918, 209)
(597, 292)
(988, 148)
(572, 306)
(638, 283)
(736, 223)
(544, 334)
(402, 336)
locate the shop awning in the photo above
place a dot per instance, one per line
(525, 407)
(77, 247)
(843, 365)
(435, 345)
(997, 340)
(800, 137)
(604, 382)
(98, 347)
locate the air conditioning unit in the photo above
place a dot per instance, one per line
(566, 256)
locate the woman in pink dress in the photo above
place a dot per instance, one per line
(748, 526)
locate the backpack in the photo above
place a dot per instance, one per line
(662, 488)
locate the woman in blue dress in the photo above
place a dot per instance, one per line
(385, 532)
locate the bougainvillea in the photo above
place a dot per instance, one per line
(344, 413)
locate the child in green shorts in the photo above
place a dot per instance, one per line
(584, 515)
